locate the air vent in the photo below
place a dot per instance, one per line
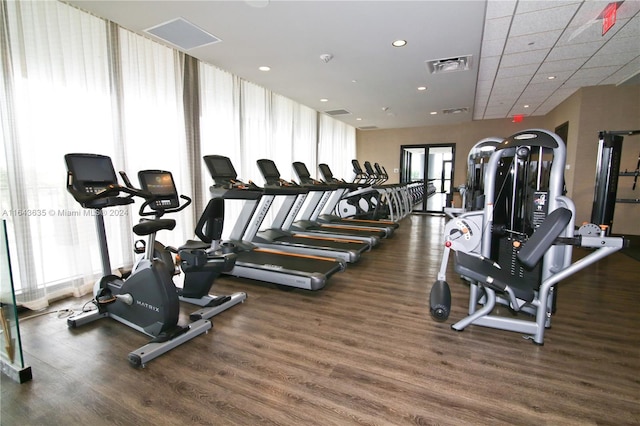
(367, 127)
(455, 111)
(337, 112)
(183, 34)
(440, 66)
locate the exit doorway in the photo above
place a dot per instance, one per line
(432, 166)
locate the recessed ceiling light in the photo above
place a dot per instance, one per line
(433, 112)
(359, 119)
(421, 88)
(324, 100)
(551, 77)
(526, 106)
(399, 43)
(264, 68)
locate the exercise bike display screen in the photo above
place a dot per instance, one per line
(159, 183)
(91, 172)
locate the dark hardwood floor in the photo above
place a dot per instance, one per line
(361, 351)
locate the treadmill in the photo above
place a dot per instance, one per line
(336, 192)
(343, 248)
(259, 263)
(359, 201)
(308, 206)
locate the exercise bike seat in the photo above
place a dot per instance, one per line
(194, 245)
(148, 227)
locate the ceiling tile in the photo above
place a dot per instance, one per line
(492, 47)
(530, 42)
(578, 50)
(629, 70)
(597, 73)
(500, 8)
(552, 67)
(560, 76)
(523, 70)
(544, 20)
(620, 59)
(496, 29)
(534, 57)
(530, 6)
(488, 68)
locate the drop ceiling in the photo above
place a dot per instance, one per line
(511, 51)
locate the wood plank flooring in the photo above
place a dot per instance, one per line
(362, 351)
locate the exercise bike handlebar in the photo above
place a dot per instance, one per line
(111, 192)
(157, 211)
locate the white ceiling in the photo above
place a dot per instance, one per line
(515, 45)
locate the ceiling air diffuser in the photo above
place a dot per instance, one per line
(439, 66)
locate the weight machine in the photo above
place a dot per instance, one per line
(607, 173)
(515, 250)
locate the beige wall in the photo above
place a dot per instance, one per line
(588, 111)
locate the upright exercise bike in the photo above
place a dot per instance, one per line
(147, 300)
(201, 261)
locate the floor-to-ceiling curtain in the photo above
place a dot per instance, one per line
(76, 83)
(55, 100)
(73, 82)
(336, 146)
(152, 119)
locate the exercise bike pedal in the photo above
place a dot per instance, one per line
(170, 334)
(217, 301)
(104, 297)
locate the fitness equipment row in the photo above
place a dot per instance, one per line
(394, 201)
(146, 299)
(518, 247)
(301, 248)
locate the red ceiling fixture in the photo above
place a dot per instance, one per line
(609, 17)
(518, 118)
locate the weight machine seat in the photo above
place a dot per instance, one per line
(488, 273)
(150, 226)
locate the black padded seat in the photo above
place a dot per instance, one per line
(150, 226)
(194, 245)
(487, 272)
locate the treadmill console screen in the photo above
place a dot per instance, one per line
(301, 170)
(221, 168)
(159, 183)
(326, 171)
(268, 169)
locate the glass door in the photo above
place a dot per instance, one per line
(432, 166)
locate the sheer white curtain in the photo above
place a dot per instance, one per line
(305, 137)
(55, 99)
(255, 130)
(293, 135)
(153, 127)
(61, 94)
(337, 146)
(219, 117)
(76, 83)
